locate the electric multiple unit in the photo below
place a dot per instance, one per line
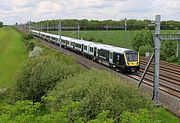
(125, 59)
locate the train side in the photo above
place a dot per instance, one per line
(124, 59)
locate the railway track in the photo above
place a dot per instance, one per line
(169, 73)
(169, 80)
(169, 77)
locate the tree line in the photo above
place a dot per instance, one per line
(132, 24)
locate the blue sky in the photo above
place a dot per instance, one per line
(21, 11)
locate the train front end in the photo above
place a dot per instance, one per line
(132, 61)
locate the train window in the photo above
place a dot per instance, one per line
(85, 47)
(78, 45)
(118, 57)
(103, 53)
(67, 42)
(132, 57)
(91, 49)
(63, 41)
(71, 43)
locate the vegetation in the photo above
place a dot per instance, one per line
(37, 51)
(143, 42)
(1, 24)
(12, 54)
(111, 37)
(53, 88)
(97, 91)
(27, 111)
(39, 75)
(108, 24)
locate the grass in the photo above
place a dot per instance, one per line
(167, 117)
(12, 54)
(115, 38)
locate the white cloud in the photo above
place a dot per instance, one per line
(21, 11)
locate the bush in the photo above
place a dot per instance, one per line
(141, 38)
(37, 51)
(97, 91)
(30, 46)
(171, 59)
(144, 49)
(179, 62)
(28, 36)
(141, 116)
(37, 76)
(29, 112)
(168, 51)
(21, 111)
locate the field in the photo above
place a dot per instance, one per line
(111, 37)
(12, 54)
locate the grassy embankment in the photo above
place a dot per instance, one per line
(12, 54)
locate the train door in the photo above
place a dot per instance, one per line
(111, 57)
(95, 51)
(82, 50)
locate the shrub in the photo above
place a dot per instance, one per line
(29, 112)
(144, 49)
(179, 62)
(37, 51)
(28, 36)
(168, 50)
(171, 59)
(37, 76)
(141, 116)
(97, 91)
(21, 111)
(30, 46)
(141, 38)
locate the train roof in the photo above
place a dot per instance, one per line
(92, 44)
(81, 41)
(66, 38)
(34, 31)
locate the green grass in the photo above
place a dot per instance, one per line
(167, 117)
(12, 54)
(115, 38)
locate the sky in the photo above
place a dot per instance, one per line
(22, 11)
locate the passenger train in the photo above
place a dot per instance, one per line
(124, 59)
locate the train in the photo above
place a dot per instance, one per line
(125, 60)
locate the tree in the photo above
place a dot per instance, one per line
(1, 24)
(142, 38)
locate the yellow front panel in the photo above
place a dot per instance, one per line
(136, 63)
